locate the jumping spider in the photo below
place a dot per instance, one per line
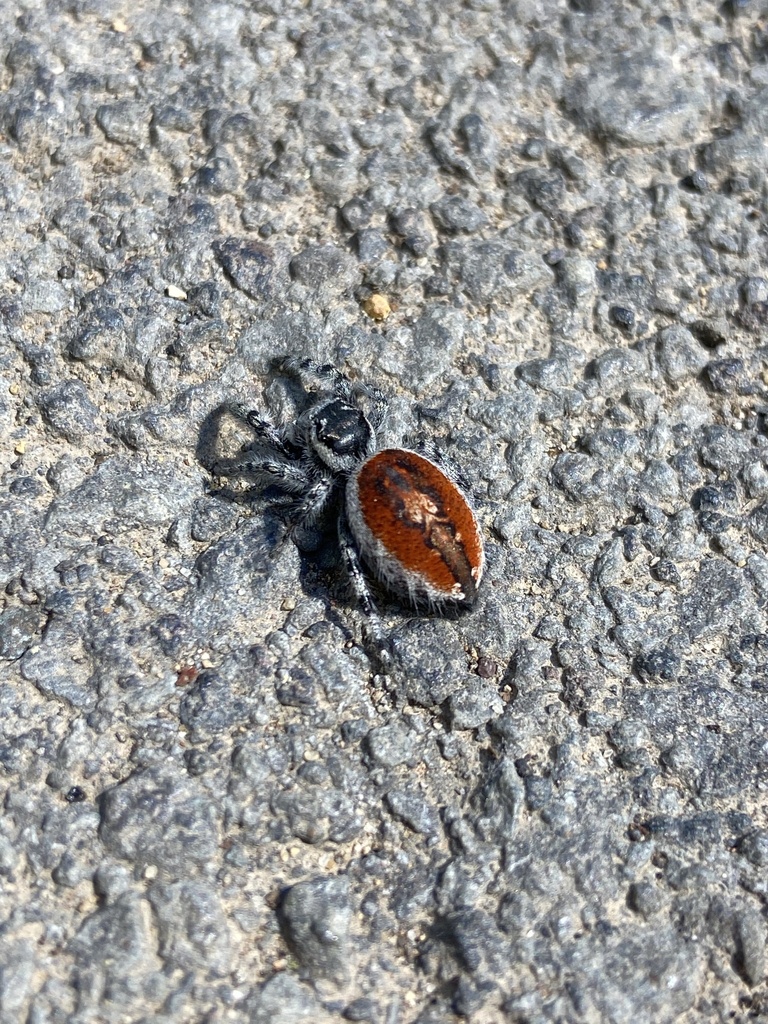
(398, 513)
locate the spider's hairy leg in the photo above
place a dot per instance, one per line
(324, 378)
(432, 451)
(374, 632)
(314, 501)
(306, 517)
(266, 432)
(377, 404)
(265, 470)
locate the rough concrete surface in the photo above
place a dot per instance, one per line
(214, 809)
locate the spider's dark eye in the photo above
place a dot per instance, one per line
(343, 429)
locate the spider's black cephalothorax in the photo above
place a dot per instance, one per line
(341, 435)
(309, 458)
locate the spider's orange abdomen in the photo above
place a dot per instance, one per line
(415, 527)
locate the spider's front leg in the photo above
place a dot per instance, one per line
(265, 470)
(271, 462)
(265, 430)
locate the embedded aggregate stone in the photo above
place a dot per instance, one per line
(285, 1000)
(249, 265)
(357, 213)
(215, 805)
(492, 270)
(679, 354)
(193, 929)
(124, 122)
(17, 628)
(414, 228)
(545, 190)
(473, 705)
(99, 336)
(152, 819)
(51, 671)
(623, 316)
(362, 1009)
(751, 939)
(69, 411)
(457, 214)
(393, 744)
(729, 375)
(316, 918)
(408, 806)
(437, 334)
(210, 706)
(432, 657)
(638, 103)
(324, 266)
(122, 492)
(122, 925)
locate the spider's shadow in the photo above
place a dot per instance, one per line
(208, 438)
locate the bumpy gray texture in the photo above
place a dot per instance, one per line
(213, 809)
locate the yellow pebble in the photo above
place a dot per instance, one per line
(377, 307)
